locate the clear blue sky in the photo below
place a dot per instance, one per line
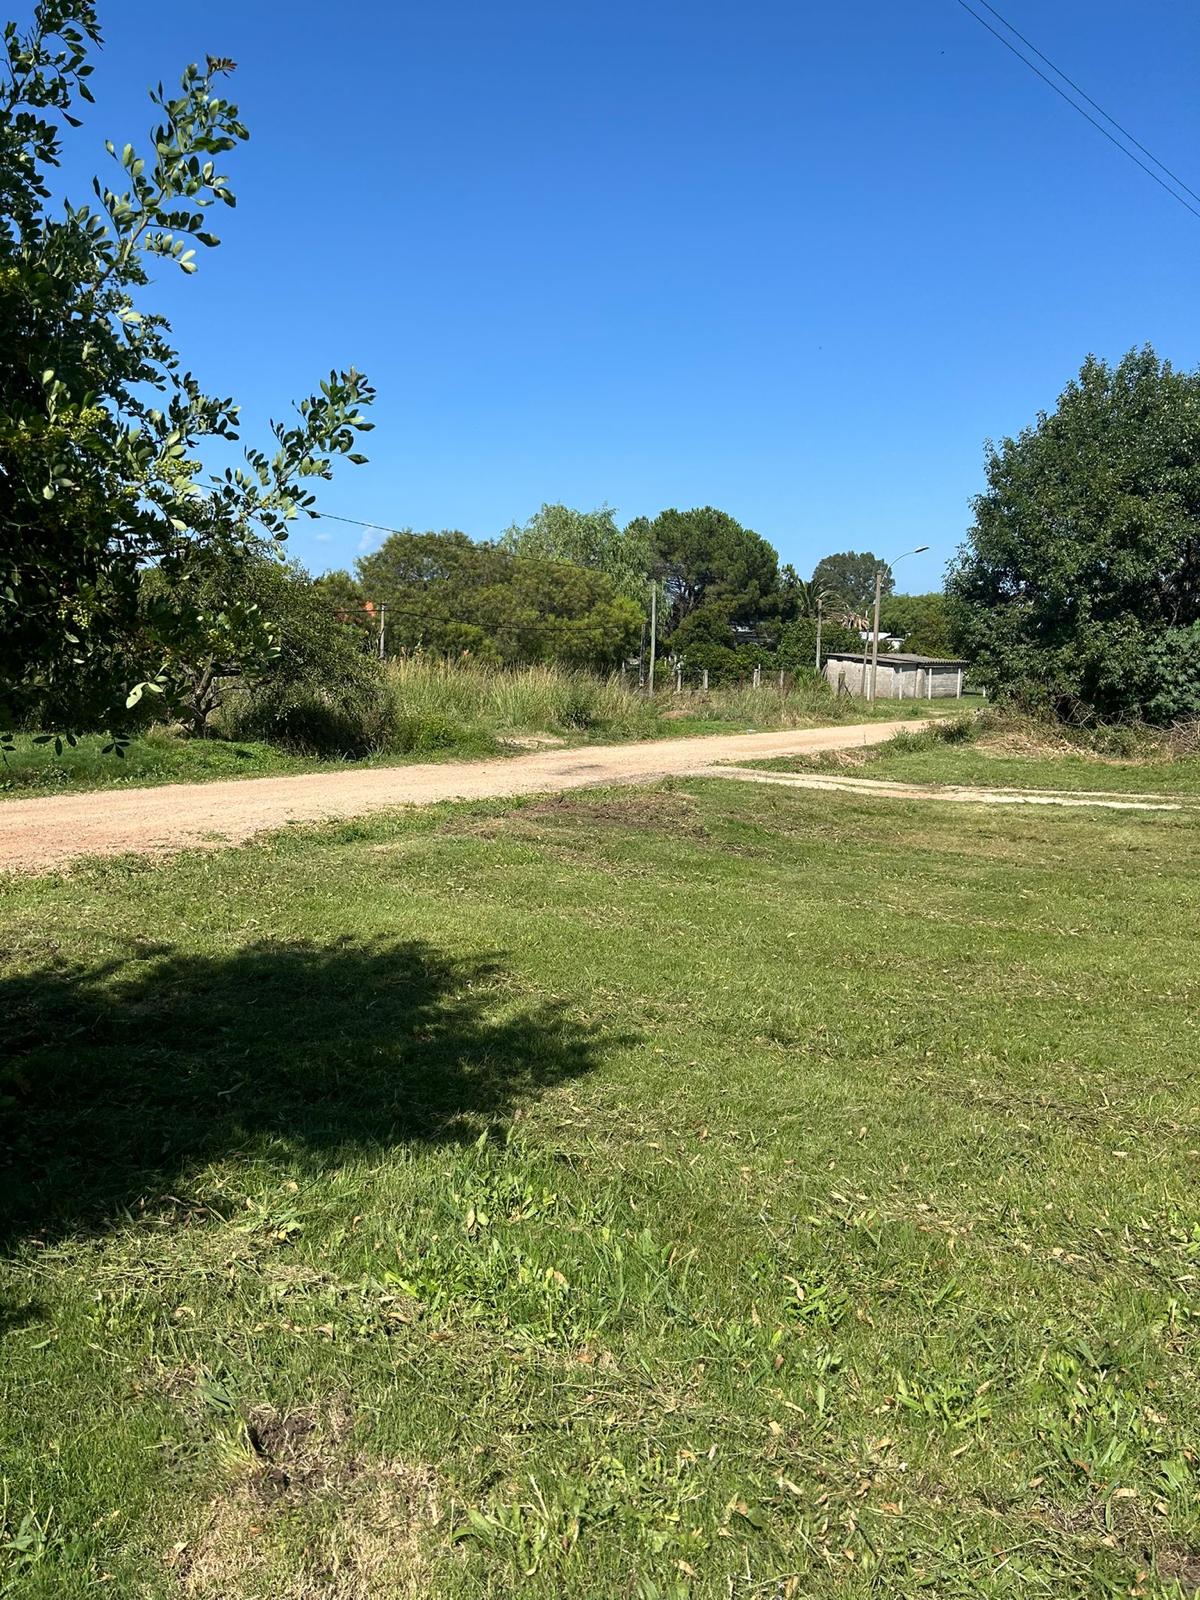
(797, 261)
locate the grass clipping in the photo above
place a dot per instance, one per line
(304, 1518)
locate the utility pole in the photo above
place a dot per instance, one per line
(820, 608)
(880, 572)
(875, 632)
(653, 626)
(382, 630)
(864, 681)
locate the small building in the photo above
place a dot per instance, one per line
(887, 641)
(899, 676)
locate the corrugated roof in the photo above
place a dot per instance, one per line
(897, 658)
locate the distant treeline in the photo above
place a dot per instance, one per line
(575, 587)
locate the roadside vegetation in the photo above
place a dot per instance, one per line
(1011, 749)
(423, 709)
(707, 1191)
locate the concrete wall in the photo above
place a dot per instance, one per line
(901, 681)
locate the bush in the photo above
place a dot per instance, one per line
(425, 734)
(1173, 670)
(350, 718)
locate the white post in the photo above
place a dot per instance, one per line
(679, 677)
(653, 627)
(757, 676)
(958, 696)
(704, 680)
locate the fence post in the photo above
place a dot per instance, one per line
(757, 677)
(679, 677)
(781, 680)
(704, 680)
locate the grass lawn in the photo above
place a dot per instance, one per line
(708, 1191)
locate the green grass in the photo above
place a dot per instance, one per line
(997, 752)
(157, 756)
(708, 1191)
(441, 711)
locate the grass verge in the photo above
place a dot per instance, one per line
(705, 1191)
(432, 710)
(996, 750)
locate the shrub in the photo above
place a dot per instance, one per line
(350, 718)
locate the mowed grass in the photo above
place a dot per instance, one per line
(704, 1191)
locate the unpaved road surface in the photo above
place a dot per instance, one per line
(882, 789)
(45, 834)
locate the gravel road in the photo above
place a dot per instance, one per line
(46, 834)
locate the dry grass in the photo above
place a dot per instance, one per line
(305, 1518)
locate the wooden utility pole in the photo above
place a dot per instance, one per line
(820, 609)
(382, 630)
(653, 626)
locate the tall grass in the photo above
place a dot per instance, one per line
(426, 706)
(482, 701)
(440, 702)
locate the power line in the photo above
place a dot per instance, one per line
(444, 618)
(1099, 126)
(357, 522)
(1107, 115)
(447, 620)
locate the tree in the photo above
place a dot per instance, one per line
(704, 556)
(447, 594)
(922, 621)
(344, 599)
(99, 423)
(587, 539)
(1081, 575)
(428, 582)
(554, 611)
(241, 617)
(797, 647)
(851, 577)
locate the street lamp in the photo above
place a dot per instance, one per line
(879, 572)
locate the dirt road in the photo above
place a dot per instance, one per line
(45, 834)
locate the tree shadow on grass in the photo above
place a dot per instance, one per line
(123, 1079)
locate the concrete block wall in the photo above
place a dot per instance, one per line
(895, 681)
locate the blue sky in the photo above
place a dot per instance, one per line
(795, 261)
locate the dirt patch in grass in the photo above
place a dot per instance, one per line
(1044, 745)
(307, 1518)
(1181, 1567)
(661, 811)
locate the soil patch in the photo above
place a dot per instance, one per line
(307, 1518)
